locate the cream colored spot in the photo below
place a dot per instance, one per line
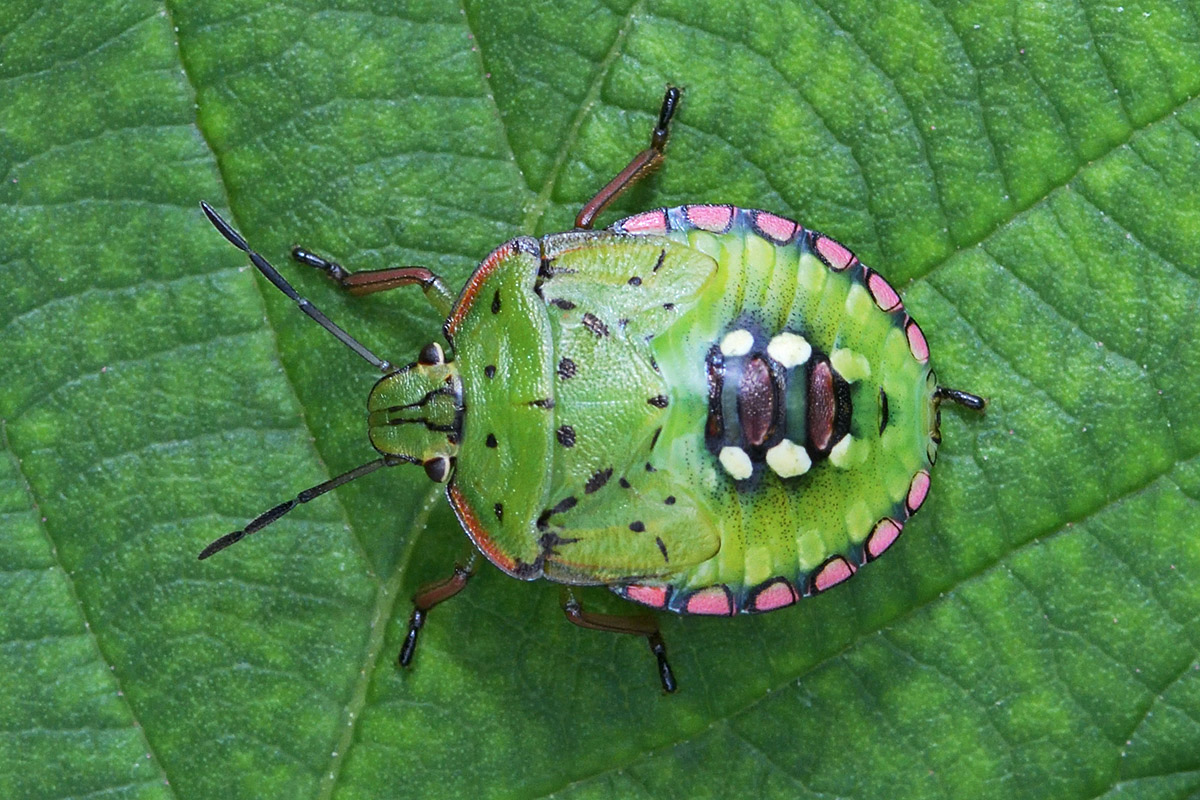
(810, 549)
(850, 365)
(788, 459)
(859, 521)
(812, 274)
(849, 452)
(789, 349)
(737, 343)
(736, 463)
(759, 565)
(859, 303)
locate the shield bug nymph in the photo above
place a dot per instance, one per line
(707, 409)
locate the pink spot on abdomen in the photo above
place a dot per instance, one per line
(778, 229)
(886, 531)
(917, 490)
(714, 601)
(646, 222)
(885, 296)
(916, 342)
(654, 596)
(834, 572)
(835, 253)
(710, 218)
(777, 595)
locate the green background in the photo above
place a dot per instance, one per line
(1027, 174)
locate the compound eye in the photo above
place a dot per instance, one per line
(438, 469)
(431, 354)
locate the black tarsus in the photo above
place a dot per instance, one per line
(429, 596)
(964, 399)
(635, 625)
(638, 167)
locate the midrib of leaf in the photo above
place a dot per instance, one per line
(385, 604)
(935, 597)
(81, 610)
(274, 334)
(538, 209)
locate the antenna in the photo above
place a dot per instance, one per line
(272, 274)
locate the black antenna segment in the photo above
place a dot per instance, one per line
(280, 283)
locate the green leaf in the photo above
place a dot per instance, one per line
(1026, 173)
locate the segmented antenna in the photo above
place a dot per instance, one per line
(280, 283)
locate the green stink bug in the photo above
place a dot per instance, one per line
(707, 409)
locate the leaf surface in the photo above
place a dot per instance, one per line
(1024, 173)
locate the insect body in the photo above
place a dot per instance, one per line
(707, 409)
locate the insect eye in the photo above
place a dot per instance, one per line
(438, 469)
(431, 354)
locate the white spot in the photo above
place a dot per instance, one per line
(736, 463)
(789, 349)
(849, 452)
(737, 343)
(788, 459)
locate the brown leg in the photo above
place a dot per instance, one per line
(381, 280)
(429, 596)
(638, 625)
(642, 164)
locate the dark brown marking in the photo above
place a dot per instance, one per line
(659, 263)
(650, 468)
(545, 402)
(624, 484)
(756, 401)
(597, 481)
(499, 509)
(491, 440)
(670, 500)
(566, 436)
(496, 302)
(883, 411)
(654, 438)
(551, 540)
(564, 505)
(653, 364)
(659, 401)
(637, 526)
(490, 370)
(635, 281)
(566, 369)
(822, 405)
(594, 324)
(669, 306)
(565, 305)
(662, 547)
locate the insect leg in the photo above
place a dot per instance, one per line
(636, 624)
(642, 164)
(380, 280)
(429, 596)
(965, 399)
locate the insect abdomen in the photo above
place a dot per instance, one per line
(782, 375)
